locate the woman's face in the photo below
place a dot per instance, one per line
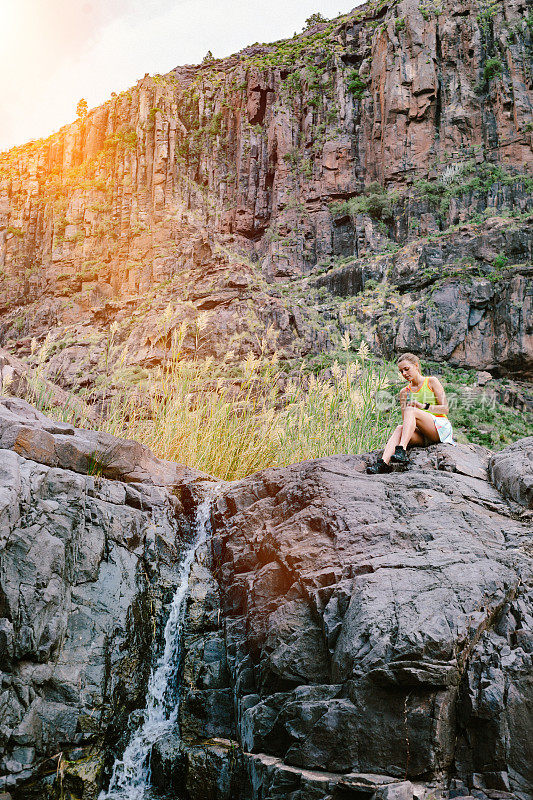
(408, 370)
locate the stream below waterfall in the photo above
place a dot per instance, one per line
(130, 779)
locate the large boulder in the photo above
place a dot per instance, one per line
(33, 435)
(374, 625)
(345, 636)
(511, 471)
(87, 566)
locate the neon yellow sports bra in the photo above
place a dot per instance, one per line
(425, 395)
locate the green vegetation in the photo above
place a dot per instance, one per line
(122, 139)
(314, 19)
(15, 231)
(476, 415)
(483, 420)
(376, 202)
(429, 9)
(304, 48)
(500, 262)
(471, 178)
(399, 24)
(489, 9)
(199, 137)
(491, 68)
(356, 84)
(214, 127)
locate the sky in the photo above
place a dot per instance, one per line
(54, 52)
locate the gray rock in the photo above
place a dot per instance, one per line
(511, 471)
(411, 581)
(6, 643)
(343, 633)
(395, 791)
(77, 610)
(34, 436)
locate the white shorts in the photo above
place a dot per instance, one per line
(444, 429)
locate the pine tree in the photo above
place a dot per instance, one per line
(314, 19)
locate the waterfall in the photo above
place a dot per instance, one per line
(130, 779)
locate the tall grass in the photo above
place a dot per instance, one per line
(189, 411)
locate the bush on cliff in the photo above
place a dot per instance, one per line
(356, 84)
(377, 202)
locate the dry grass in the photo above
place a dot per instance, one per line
(190, 412)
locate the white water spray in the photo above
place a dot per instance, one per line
(130, 779)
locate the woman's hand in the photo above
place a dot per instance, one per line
(407, 401)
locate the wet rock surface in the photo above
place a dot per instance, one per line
(86, 566)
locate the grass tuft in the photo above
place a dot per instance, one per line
(191, 413)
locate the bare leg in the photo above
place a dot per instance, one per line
(417, 439)
(391, 444)
(408, 427)
(416, 419)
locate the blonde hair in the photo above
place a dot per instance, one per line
(409, 357)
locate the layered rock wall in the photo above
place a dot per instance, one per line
(222, 168)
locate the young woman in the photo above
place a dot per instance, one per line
(424, 421)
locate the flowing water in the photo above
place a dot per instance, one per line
(130, 779)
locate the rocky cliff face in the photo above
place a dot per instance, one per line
(391, 145)
(86, 565)
(374, 629)
(346, 636)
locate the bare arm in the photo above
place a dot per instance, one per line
(441, 406)
(437, 388)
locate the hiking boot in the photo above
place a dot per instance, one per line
(379, 468)
(400, 456)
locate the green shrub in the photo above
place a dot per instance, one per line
(472, 178)
(215, 125)
(376, 202)
(486, 16)
(500, 262)
(399, 24)
(356, 84)
(489, 423)
(314, 19)
(493, 67)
